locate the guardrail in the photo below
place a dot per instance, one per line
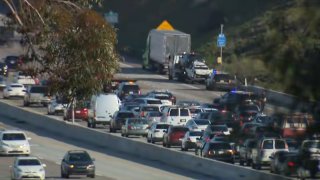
(214, 169)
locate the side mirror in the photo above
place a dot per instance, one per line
(44, 165)
(271, 157)
(198, 139)
(180, 139)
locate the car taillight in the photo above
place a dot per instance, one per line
(210, 152)
(139, 92)
(241, 117)
(207, 139)
(142, 114)
(291, 164)
(230, 152)
(85, 109)
(129, 127)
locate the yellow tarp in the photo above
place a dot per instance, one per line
(165, 25)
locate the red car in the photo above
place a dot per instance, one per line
(80, 112)
(173, 135)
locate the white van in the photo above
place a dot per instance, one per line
(102, 107)
(14, 142)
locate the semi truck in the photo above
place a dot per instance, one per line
(189, 67)
(161, 46)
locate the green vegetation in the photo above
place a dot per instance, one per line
(73, 44)
(278, 50)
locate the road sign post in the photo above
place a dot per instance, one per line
(221, 42)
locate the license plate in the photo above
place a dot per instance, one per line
(182, 120)
(221, 81)
(220, 152)
(130, 92)
(78, 111)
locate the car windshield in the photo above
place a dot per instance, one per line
(174, 112)
(150, 108)
(162, 97)
(162, 126)
(128, 88)
(217, 146)
(180, 129)
(13, 136)
(224, 77)
(195, 133)
(16, 86)
(39, 90)
(312, 144)
(219, 128)
(280, 144)
(125, 115)
(154, 102)
(264, 119)
(202, 122)
(29, 162)
(74, 157)
(268, 144)
(154, 114)
(195, 110)
(137, 121)
(184, 112)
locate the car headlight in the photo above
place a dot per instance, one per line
(71, 166)
(5, 144)
(91, 166)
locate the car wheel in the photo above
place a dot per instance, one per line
(148, 139)
(93, 125)
(91, 175)
(152, 140)
(241, 162)
(186, 149)
(248, 162)
(110, 129)
(89, 124)
(25, 103)
(258, 166)
(168, 145)
(253, 165)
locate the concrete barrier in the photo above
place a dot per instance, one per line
(214, 169)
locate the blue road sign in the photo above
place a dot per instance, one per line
(222, 40)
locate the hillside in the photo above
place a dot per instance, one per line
(200, 18)
(279, 49)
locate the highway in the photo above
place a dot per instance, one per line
(53, 147)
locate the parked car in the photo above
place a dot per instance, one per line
(135, 126)
(173, 135)
(77, 162)
(176, 115)
(221, 151)
(14, 90)
(245, 151)
(118, 120)
(156, 132)
(14, 142)
(263, 119)
(264, 148)
(291, 165)
(80, 111)
(309, 159)
(189, 140)
(102, 107)
(28, 167)
(37, 94)
(245, 113)
(197, 124)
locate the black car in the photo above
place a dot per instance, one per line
(119, 119)
(230, 100)
(12, 62)
(77, 162)
(221, 151)
(128, 88)
(221, 81)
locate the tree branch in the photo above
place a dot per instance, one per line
(28, 3)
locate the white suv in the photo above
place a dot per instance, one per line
(14, 142)
(176, 115)
(156, 132)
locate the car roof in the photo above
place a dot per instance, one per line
(26, 157)
(6, 131)
(16, 84)
(77, 151)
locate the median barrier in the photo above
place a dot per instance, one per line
(214, 169)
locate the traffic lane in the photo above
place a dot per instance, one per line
(148, 81)
(109, 163)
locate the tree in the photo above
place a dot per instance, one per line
(73, 44)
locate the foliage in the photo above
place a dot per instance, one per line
(73, 44)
